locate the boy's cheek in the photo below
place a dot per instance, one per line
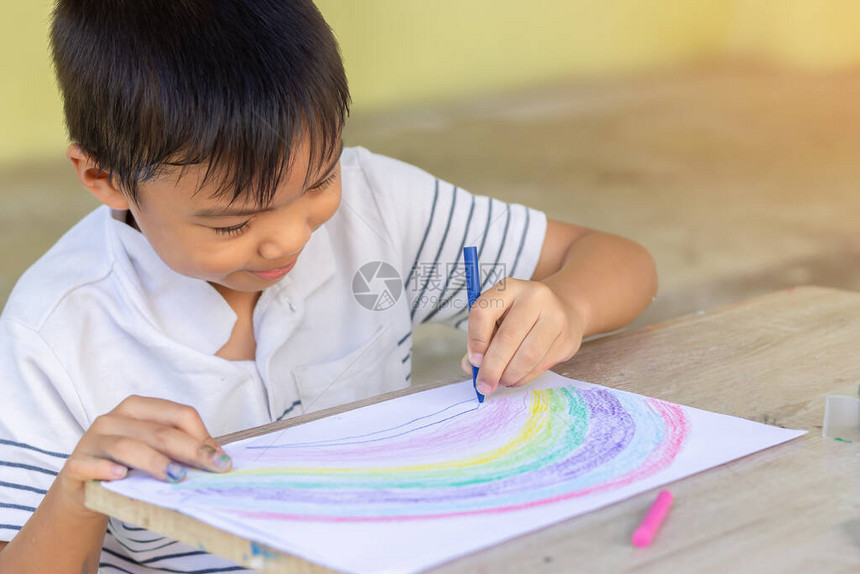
(202, 264)
(326, 206)
(219, 271)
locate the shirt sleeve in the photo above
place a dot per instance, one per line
(37, 427)
(432, 221)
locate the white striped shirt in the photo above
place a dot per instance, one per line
(100, 317)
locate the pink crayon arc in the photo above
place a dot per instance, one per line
(652, 521)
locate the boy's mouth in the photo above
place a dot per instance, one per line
(273, 273)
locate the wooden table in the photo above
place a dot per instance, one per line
(792, 508)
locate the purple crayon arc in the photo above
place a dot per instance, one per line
(564, 443)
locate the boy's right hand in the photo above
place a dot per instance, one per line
(152, 435)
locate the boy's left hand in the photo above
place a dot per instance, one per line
(517, 330)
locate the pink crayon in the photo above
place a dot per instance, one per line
(652, 521)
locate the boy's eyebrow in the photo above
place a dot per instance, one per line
(218, 212)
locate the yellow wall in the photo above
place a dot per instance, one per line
(806, 33)
(31, 115)
(402, 51)
(399, 50)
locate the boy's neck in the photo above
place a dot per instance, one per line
(242, 344)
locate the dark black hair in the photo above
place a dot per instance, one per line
(234, 84)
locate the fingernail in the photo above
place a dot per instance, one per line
(118, 471)
(175, 472)
(476, 359)
(484, 388)
(222, 462)
(208, 450)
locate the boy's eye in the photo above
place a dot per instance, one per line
(239, 229)
(326, 182)
(233, 230)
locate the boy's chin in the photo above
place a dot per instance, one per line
(245, 285)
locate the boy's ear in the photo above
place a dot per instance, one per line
(98, 183)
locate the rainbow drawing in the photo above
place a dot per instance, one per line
(518, 451)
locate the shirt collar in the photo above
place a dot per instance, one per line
(190, 310)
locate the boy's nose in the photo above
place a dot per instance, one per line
(284, 242)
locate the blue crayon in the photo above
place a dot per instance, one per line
(473, 289)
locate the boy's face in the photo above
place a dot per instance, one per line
(239, 246)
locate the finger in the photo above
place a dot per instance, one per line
(82, 469)
(135, 453)
(552, 357)
(170, 413)
(466, 366)
(532, 351)
(519, 321)
(172, 442)
(484, 317)
(558, 353)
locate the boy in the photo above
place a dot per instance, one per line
(223, 284)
